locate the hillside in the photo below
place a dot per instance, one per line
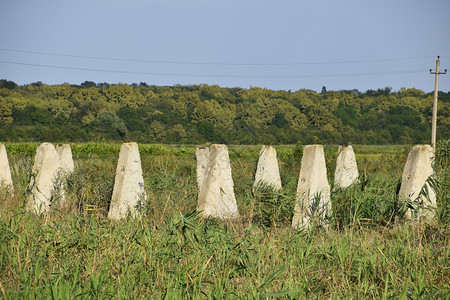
(202, 113)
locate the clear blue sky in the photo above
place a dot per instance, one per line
(279, 44)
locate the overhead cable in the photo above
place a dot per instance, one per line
(397, 72)
(215, 63)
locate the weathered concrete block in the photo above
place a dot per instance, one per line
(129, 191)
(346, 172)
(313, 190)
(66, 166)
(216, 197)
(202, 154)
(267, 171)
(5, 172)
(418, 167)
(44, 175)
(65, 158)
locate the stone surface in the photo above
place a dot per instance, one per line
(5, 171)
(418, 167)
(65, 158)
(346, 172)
(267, 171)
(216, 197)
(313, 190)
(66, 166)
(44, 174)
(129, 191)
(202, 154)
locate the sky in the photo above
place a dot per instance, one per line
(280, 45)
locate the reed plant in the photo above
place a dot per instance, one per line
(171, 252)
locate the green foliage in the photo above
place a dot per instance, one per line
(132, 119)
(201, 113)
(7, 84)
(23, 148)
(31, 115)
(88, 149)
(348, 114)
(111, 126)
(91, 186)
(188, 257)
(171, 252)
(272, 208)
(370, 203)
(207, 130)
(440, 182)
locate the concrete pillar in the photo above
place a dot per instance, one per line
(44, 175)
(346, 172)
(313, 190)
(217, 190)
(65, 158)
(129, 191)
(202, 154)
(66, 166)
(5, 172)
(267, 171)
(418, 167)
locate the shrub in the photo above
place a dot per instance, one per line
(371, 202)
(91, 186)
(272, 208)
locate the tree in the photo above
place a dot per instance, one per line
(31, 115)
(198, 112)
(88, 84)
(179, 132)
(158, 131)
(6, 117)
(320, 118)
(10, 85)
(130, 116)
(348, 115)
(402, 115)
(110, 125)
(220, 116)
(280, 120)
(207, 130)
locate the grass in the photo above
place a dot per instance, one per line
(187, 257)
(170, 252)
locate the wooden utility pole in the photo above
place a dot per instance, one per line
(433, 120)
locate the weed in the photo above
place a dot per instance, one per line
(272, 208)
(169, 251)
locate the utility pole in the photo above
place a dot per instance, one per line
(433, 121)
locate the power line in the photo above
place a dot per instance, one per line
(214, 63)
(221, 75)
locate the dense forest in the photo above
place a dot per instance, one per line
(209, 113)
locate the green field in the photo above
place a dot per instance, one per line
(369, 251)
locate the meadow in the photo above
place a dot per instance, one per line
(170, 252)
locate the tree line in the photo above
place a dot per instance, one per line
(209, 113)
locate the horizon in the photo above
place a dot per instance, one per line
(98, 84)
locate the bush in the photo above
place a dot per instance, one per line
(91, 185)
(272, 208)
(371, 202)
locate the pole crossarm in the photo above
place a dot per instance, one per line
(444, 72)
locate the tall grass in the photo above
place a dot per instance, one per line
(170, 252)
(441, 180)
(186, 257)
